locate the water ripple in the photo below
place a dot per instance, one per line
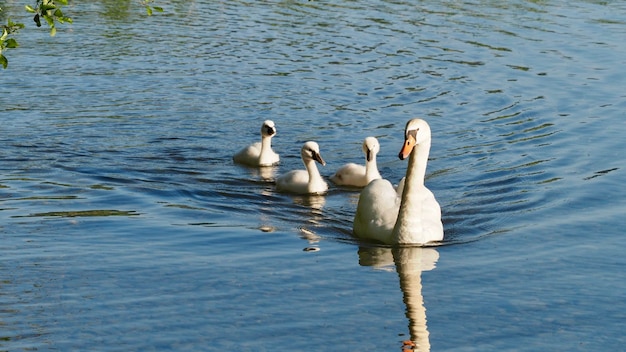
(123, 210)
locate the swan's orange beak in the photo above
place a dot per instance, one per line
(409, 143)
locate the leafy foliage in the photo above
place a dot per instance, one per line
(6, 42)
(50, 12)
(149, 8)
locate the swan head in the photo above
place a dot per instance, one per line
(370, 148)
(311, 151)
(416, 132)
(268, 129)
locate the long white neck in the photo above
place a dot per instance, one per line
(266, 150)
(371, 170)
(409, 219)
(314, 175)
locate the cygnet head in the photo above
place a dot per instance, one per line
(416, 132)
(311, 151)
(370, 148)
(268, 129)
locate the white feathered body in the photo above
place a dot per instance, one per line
(409, 214)
(377, 211)
(307, 181)
(350, 174)
(254, 155)
(297, 181)
(356, 175)
(260, 153)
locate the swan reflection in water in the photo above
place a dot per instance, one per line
(264, 173)
(311, 207)
(409, 263)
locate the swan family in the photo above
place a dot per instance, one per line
(407, 214)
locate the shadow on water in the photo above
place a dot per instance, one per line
(82, 213)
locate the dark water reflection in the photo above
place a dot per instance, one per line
(126, 226)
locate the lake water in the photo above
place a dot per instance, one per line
(126, 226)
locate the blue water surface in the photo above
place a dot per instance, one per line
(125, 225)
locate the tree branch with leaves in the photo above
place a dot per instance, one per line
(50, 12)
(6, 42)
(151, 8)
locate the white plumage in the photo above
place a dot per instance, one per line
(260, 153)
(307, 181)
(355, 175)
(410, 214)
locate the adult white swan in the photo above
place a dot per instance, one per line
(307, 181)
(260, 153)
(355, 175)
(411, 216)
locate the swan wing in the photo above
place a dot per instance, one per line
(420, 220)
(377, 211)
(350, 175)
(249, 155)
(431, 212)
(295, 181)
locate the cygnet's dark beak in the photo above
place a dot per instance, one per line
(270, 131)
(318, 158)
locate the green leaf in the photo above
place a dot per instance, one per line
(50, 20)
(62, 2)
(149, 10)
(30, 9)
(4, 61)
(11, 43)
(53, 31)
(158, 9)
(14, 26)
